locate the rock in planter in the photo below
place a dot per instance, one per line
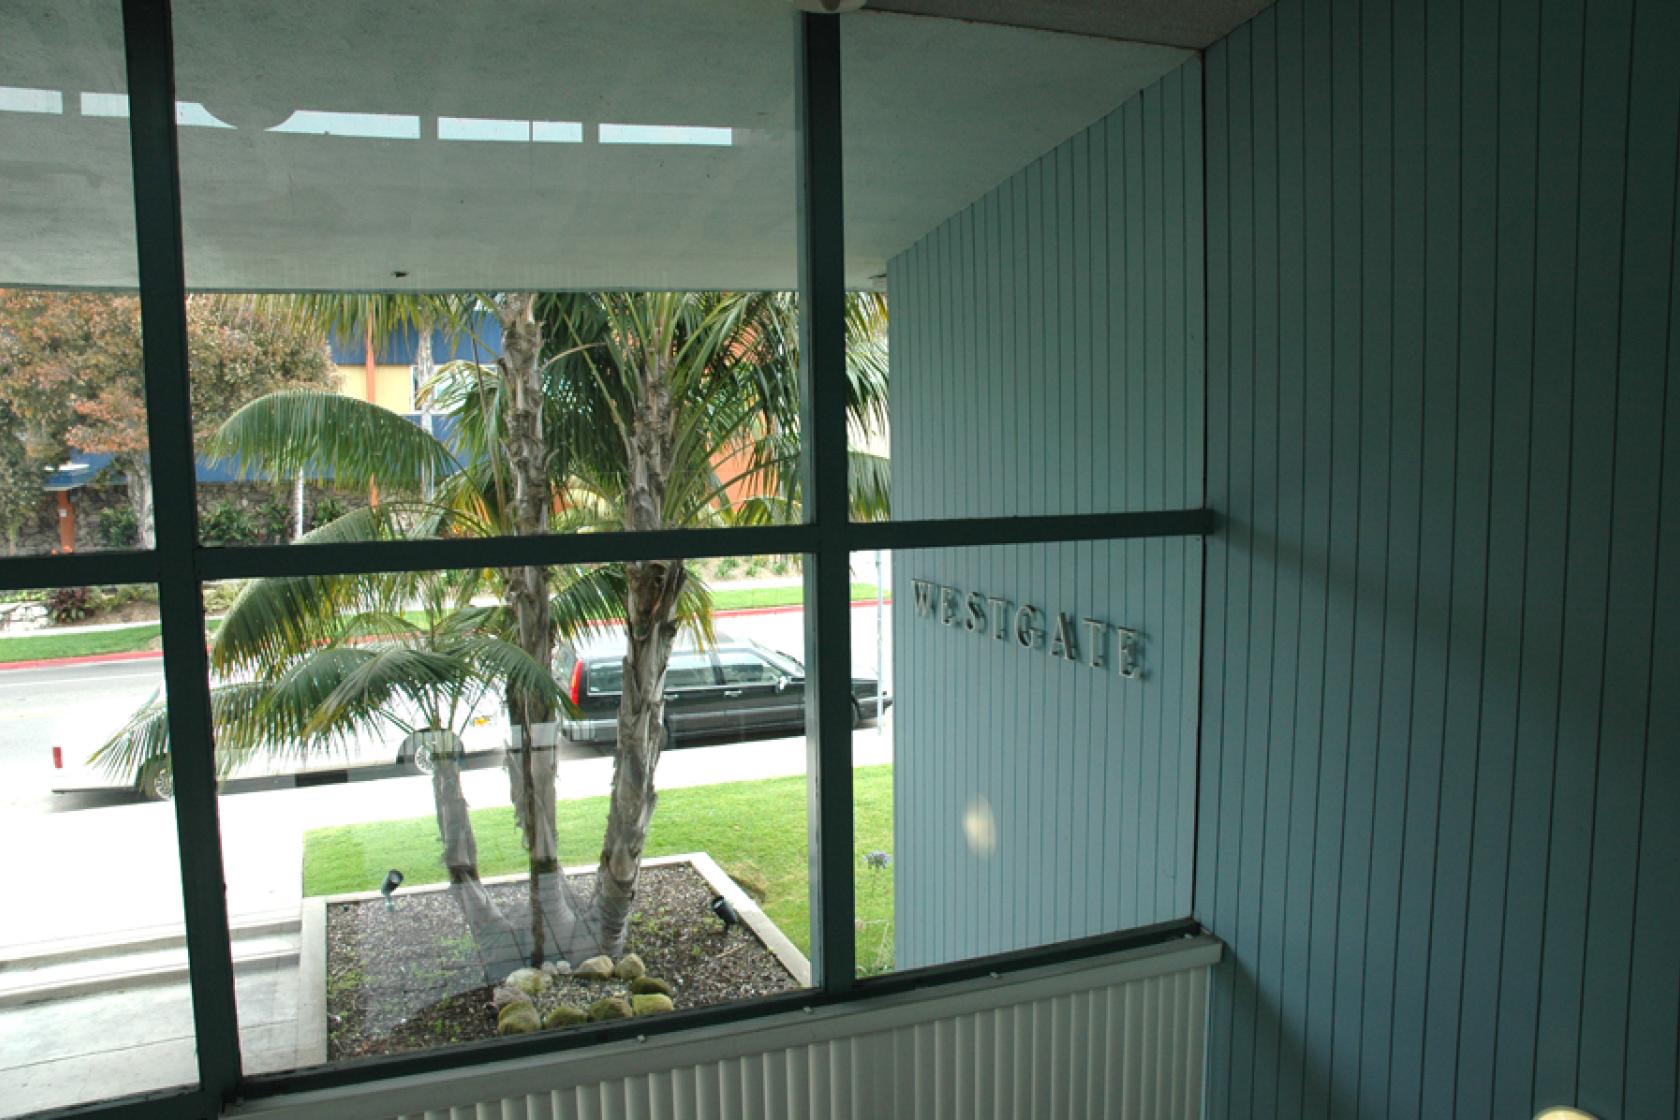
(630, 968)
(505, 995)
(595, 968)
(565, 1016)
(652, 1004)
(557, 968)
(613, 1007)
(650, 986)
(531, 981)
(518, 1018)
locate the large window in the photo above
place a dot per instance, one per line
(528, 564)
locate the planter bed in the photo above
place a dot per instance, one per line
(409, 978)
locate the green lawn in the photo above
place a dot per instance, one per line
(41, 646)
(761, 824)
(36, 647)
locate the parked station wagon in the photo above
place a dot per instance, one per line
(735, 689)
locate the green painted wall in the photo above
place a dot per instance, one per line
(1440, 762)
(1047, 357)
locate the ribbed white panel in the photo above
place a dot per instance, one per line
(1121, 1038)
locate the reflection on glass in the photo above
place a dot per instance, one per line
(448, 788)
(93, 990)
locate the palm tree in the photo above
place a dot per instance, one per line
(314, 662)
(614, 408)
(650, 392)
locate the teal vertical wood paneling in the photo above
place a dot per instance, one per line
(1641, 384)
(1426, 472)
(1655, 970)
(1047, 357)
(1604, 112)
(1438, 761)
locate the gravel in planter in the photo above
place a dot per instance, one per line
(409, 978)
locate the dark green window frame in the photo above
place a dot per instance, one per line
(179, 566)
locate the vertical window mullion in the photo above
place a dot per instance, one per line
(149, 47)
(828, 636)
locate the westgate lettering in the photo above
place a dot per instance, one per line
(990, 616)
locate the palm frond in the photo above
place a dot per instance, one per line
(322, 435)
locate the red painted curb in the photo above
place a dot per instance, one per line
(89, 659)
(153, 654)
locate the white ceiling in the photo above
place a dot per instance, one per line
(936, 112)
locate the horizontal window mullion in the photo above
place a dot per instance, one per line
(1045, 529)
(499, 552)
(77, 569)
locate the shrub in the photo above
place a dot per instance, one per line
(327, 510)
(117, 527)
(227, 523)
(68, 604)
(274, 521)
(219, 597)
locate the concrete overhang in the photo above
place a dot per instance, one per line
(526, 144)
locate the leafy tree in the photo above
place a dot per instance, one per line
(71, 376)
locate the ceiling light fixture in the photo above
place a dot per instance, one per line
(1563, 1112)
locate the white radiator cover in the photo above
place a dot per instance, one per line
(1119, 1036)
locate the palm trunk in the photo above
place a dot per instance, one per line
(532, 765)
(652, 629)
(650, 623)
(139, 472)
(498, 945)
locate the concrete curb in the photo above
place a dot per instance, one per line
(311, 1043)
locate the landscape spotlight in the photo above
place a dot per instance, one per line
(393, 880)
(725, 913)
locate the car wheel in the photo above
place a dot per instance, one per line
(158, 782)
(422, 758)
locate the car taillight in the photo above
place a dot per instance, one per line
(58, 758)
(577, 680)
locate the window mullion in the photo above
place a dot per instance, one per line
(828, 638)
(149, 47)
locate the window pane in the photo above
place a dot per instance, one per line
(364, 728)
(1027, 206)
(73, 469)
(1033, 781)
(561, 260)
(93, 990)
